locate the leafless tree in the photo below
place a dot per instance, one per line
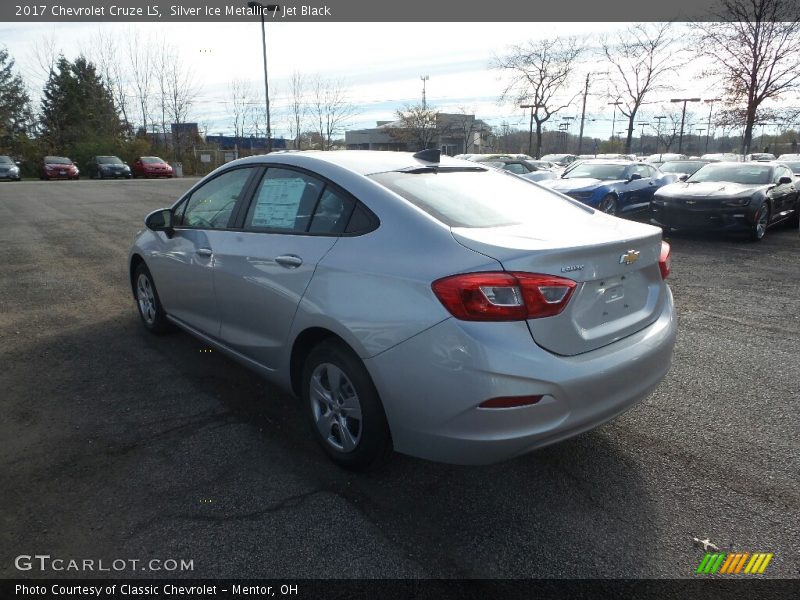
(109, 64)
(418, 126)
(330, 108)
(540, 73)
(181, 94)
(465, 125)
(754, 47)
(298, 106)
(641, 58)
(141, 56)
(240, 106)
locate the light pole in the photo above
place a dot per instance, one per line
(658, 129)
(424, 78)
(614, 118)
(257, 6)
(530, 130)
(710, 103)
(683, 118)
(641, 138)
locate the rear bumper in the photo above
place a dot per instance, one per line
(432, 384)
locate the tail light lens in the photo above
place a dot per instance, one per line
(665, 260)
(503, 296)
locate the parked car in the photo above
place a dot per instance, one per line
(9, 169)
(413, 302)
(747, 196)
(659, 159)
(523, 168)
(100, 167)
(617, 187)
(58, 167)
(794, 165)
(682, 169)
(760, 156)
(724, 156)
(151, 166)
(560, 159)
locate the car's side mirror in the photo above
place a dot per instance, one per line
(18, 163)
(160, 220)
(634, 176)
(684, 177)
(784, 180)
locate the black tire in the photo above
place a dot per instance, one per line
(608, 205)
(758, 229)
(151, 312)
(357, 443)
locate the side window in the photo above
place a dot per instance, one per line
(333, 212)
(285, 200)
(782, 172)
(211, 206)
(642, 170)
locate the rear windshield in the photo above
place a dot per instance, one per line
(752, 174)
(480, 198)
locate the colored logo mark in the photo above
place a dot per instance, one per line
(734, 563)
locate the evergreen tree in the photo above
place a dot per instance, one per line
(15, 111)
(78, 109)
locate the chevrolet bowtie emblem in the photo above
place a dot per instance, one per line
(630, 257)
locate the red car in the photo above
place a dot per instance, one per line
(151, 166)
(58, 167)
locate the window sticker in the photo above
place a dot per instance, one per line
(278, 203)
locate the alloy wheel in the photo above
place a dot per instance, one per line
(335, 407)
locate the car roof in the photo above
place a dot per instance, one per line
(363, 162)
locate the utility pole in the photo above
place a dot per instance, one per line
(424, 78)
(683, 118)
(566, 121)
(710, 102)
(583, 114)
(260, 8)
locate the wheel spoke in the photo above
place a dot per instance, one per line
(325, 423)
(334, 380)
(318, 392)
(348, 440)
(351, 407)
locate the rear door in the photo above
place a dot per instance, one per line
(262, 272)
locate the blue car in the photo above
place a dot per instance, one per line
(618, 187)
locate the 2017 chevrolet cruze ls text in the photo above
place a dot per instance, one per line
(414, 302)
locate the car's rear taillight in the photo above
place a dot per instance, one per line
(665, 260)
(503, 296)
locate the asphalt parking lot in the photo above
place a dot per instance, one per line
(116, 444)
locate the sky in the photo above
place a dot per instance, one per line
(380, 64)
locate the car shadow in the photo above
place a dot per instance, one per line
(121, 442)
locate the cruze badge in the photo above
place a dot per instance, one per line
(571, 268)
(630, 257)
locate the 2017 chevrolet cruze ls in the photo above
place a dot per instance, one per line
(414, 302)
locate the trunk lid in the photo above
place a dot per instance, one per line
(620, 290)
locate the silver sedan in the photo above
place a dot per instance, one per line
(413, 303)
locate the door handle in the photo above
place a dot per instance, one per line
(290, 261)
(205, 252)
